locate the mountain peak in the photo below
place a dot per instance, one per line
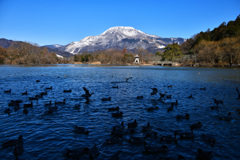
(121, 28)
(123, 31)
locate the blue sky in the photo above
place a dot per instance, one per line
(64, 21)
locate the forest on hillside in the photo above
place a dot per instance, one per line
(26, 53)
(219, 47)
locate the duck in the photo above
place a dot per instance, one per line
(37, 81)
(214, 107)
(170, 86)
(28, 105)
(119, 130)
(25, 111)
(180, 117)
(216, 101)
(94, 152)
(43, 93)
(114, 86)
(190, 97)
(117, 114)
(76, 153)
(18, 149)
(203, 89)
(128, 79)
(49, 111)
(14, 102)
(67, 91)
(175, 103)
(24, 93)
(208, 139)
(106, 99)
(80, 130)
(150, 109)
(146, 128)
(139, 97)
(196, 126)
(113, 109)
(154, 91)
(162, 95)
(238, 92)
(49, 88)
(12, 142)
(8, 91)
(227, 118)
(63, 102)
(155, 150)
(7, 110)
(48, 104)
(121, 126)
(87, 93)
(133, 124)
(204, 155)
(170, 108)
(33, 98)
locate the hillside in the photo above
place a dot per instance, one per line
(17, 52)
(219, 47)
(5, 43)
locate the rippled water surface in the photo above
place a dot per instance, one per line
(48, 136)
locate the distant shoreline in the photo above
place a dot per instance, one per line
(112, 65)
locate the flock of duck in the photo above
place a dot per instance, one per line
(124, 132)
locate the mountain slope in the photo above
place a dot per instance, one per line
(5, 43)
(118, 38)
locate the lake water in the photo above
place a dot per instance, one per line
(47, 136)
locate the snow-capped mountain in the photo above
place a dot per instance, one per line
(118, 38)
(54, 46)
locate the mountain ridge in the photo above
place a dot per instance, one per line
(119, 37)
(5, 43)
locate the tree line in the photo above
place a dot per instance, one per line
(114, 56)
(219, 47)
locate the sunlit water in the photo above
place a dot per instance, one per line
(48, 136)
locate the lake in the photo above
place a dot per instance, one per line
(48, 135)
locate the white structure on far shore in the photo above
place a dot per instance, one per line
(136, 60)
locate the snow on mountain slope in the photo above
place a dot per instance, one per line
(118, 38)
(54, 46)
